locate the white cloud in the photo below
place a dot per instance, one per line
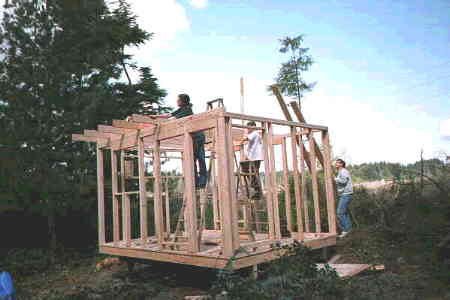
(167, 19)
(199, 3)
(445, 129)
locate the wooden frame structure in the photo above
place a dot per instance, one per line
(295, 154)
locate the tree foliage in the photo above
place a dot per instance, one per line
(290, 76)
(61, 72)
(385, 170)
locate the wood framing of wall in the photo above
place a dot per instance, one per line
(300, 159)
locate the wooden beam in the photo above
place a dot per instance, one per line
(225, 197)
(142, 193)
(248, 127)
(232, 186)
(126, 234)
(288, 117)
(189, 190)
(128, 125)
(167, 130)
(283, 105)
(95, 133)
(300, 117)
(315, 184)
(273, 121)
(111, 129)
(158, 204)
(127, 219)
(269, 185)
(101, 197)
(303, 183)
(146, 119)
(215, 192)
(298, 193)
(115, 204)
(331, 204)
(276, 208)
(287, 193)
(167, 198)
(89, 139)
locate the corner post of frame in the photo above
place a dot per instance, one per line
(101, 196)
(142, 192)
(329, 187)
(191, 197)
(229, 225)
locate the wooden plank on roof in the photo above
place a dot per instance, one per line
(95, 133)
(129, 125)
(111, 129)
(89, 139)
(146, 119)
(170, 129)
(274, 121)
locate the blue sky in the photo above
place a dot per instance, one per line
(382, 67)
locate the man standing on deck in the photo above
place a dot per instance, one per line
(345, 191)
(198, 138)
(254, 155)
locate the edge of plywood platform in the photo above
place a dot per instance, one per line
(215, 259)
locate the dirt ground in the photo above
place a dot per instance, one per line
(155, 281)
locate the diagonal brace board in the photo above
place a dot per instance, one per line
(288, 117)
(301, 118)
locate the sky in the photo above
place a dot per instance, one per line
(382, 67)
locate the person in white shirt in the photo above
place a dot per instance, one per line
(254, 157)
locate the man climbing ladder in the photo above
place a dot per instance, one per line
(254, 156)
(184, 110)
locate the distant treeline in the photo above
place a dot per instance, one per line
(388, 171)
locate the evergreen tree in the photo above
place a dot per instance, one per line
(61, 73)
(290, 78)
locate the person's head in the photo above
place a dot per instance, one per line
(183, 99)
(251, 123)
(340, 163)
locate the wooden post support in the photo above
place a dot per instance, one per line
(273, 173)
(215, 198)
(287, 193)
(142, 193)
(127, 219)
(115, 204)
(303, 183)
(158, 204)
(168, 229)
(268, 182)
(126, 213)
(232, 186)
(101, 197)
(228, 227)
(315, 182)
(191, 197)
(122, 190)
(331, 204)
(298, 193)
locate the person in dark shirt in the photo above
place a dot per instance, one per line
(184, 110)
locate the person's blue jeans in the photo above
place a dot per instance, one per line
(201, 173)
(342, 213)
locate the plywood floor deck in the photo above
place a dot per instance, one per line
(210, 255)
